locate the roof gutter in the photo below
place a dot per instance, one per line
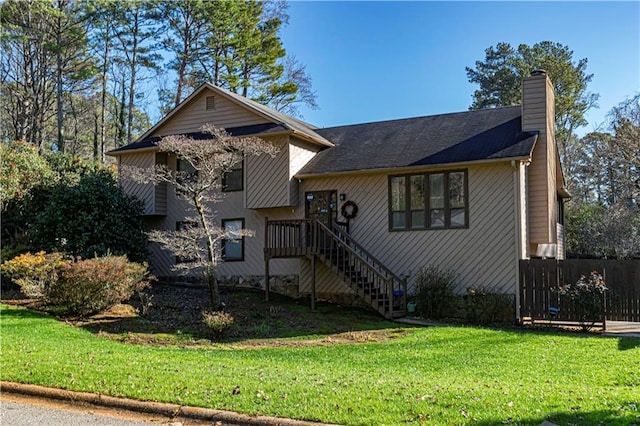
(564, 192)
(265, 135)
(132, 151)
(403, 169)
(308, 138)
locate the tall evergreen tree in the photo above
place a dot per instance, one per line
(101, 44)
(500, 75)
(74, 66)
(137, 25)
(27, 68)
(186, 26)
(291, 90)
(72, 73)
(45, 59)
(625, 125)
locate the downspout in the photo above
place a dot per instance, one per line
(516, 165)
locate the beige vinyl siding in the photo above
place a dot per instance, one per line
(560, 238)
(144, 192)
(232, 207)
(300, 153)
(538, 200)
(267, 178)
(270, 181)
(226, 114)
(253, 263)
(160, 191)
(326, 281)
(538, 115)
(482, 255)
(522, 199)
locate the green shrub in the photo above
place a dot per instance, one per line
(585, 299)
(484, 307)
(91, 217)
(435, 298)
(8, 253)
(34, 273)
(32, 181)
(21, 169)
(89, 286)
(219, 322)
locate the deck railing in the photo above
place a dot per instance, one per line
(288, 238)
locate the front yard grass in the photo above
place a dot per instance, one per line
(433, 375)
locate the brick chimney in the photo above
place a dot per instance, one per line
(538, 115)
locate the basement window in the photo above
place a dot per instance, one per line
(233, 244)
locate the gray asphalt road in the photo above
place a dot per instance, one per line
(21, 414)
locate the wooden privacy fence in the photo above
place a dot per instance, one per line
(538, 278)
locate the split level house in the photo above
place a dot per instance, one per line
(354, 212)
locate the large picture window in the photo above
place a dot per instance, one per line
(233, 179)
(428, 201)
(233, 247)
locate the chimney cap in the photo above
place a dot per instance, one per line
(538, 71)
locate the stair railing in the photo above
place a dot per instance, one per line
(378, 285)
(360, 264)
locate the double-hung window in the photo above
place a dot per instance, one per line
(233, 244)
(186, 173)
(428, 201)
(233, 179)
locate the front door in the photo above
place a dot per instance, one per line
(321, 206)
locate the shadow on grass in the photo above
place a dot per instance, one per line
(627, 343)
(12, 312)
(624, 342)
(627, 414)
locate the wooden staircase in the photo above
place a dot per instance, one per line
(362, 272)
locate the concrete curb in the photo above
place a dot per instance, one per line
(148, 407)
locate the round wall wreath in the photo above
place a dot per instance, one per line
(349, 210)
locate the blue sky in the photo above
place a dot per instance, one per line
(372, 61)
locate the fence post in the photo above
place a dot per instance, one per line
(266, 259)
(313, 282)
(404, 293)
(389, 283)
(604, 311)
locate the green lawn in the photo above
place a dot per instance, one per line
(434, 375)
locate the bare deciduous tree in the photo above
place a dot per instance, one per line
(199, 184)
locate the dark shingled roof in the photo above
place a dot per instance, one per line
(234, 131)
(489, 134)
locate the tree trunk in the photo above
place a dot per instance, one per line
(211, 255)
(181, 76)
(132, 81)
(182, 68)
(121, 131)
(59, 112)
(96, 144)
(103, 97)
